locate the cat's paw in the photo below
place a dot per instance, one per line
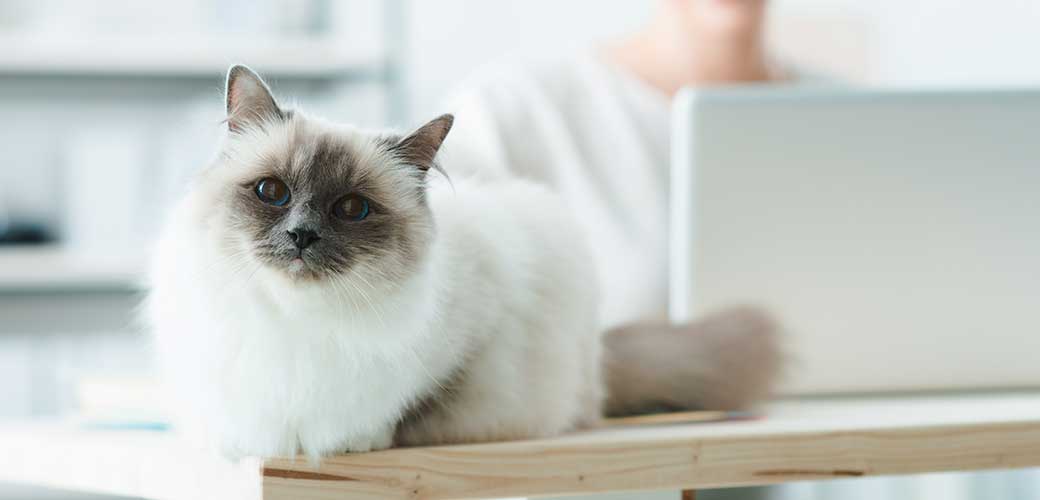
(383, 440)
(379, 441)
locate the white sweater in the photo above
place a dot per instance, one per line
(597, 136)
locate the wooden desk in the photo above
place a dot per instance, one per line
(799, 440)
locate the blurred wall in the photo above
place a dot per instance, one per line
(885, 42)
(448, 39)
(956, 42)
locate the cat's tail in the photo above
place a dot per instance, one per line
(727, 360)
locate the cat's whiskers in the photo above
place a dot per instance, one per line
(341, 290)
(233, 284)
(221, 261)
(411, 349)
(364, 296)
(391, 286)
(393, 283)
(236, 267)
(232, 268)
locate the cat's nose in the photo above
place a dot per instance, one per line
(303, 238)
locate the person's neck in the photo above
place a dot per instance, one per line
(669, 60)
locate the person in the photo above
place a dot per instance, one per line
(595, 127)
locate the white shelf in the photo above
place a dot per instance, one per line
(183, 56)
(52, 268)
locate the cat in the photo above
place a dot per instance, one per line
(316, 292)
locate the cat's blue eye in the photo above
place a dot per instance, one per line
(352, 207)
(272, 191)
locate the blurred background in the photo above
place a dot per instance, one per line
(107, 106)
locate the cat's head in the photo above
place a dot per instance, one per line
(314, 201)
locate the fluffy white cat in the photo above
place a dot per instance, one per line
(314, 293)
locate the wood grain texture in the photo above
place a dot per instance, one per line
(803, 441)
(799, 440)
(545, 468)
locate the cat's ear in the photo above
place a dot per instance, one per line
(421, 146)
(249, 100)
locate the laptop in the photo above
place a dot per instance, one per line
(895, 233)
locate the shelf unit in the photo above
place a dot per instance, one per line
(320, 62)
(54, 268)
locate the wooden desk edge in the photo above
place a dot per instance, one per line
(550, 467)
